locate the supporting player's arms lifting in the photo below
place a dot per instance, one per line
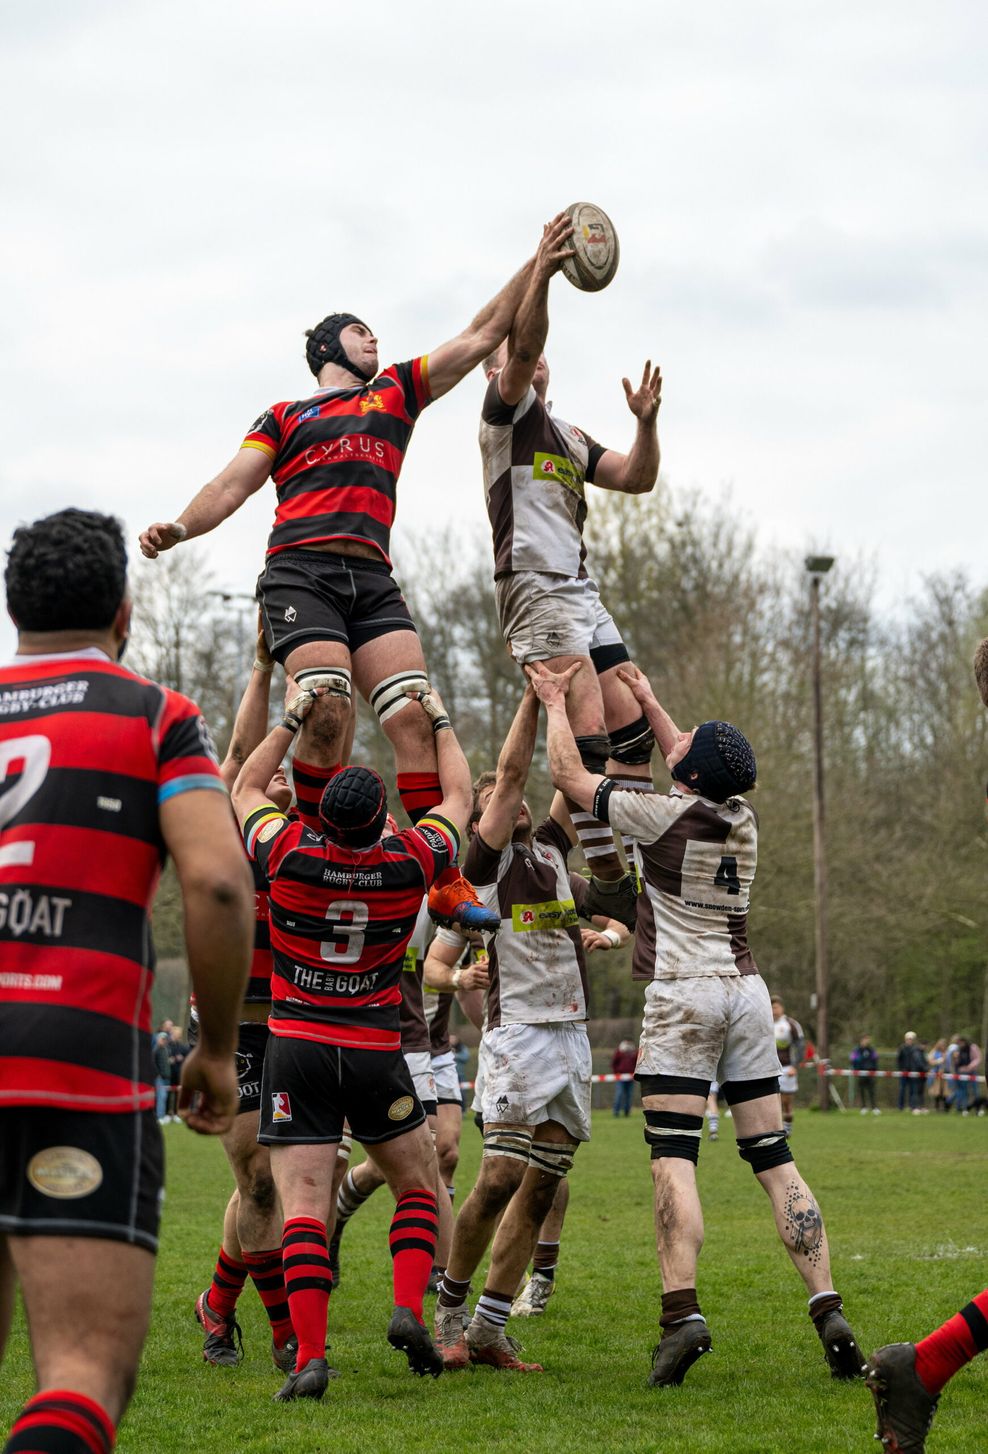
(635, 473)
(667, 734)
(565, 764)
(530, 327)
(215, 502)
(218, 900)
(497, 823)
(251, 722)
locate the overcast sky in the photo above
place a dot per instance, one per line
(799, 191)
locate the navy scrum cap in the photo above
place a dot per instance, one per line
(720, 763)
(353, 807)
(323, 346)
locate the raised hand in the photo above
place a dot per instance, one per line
(645, 400)
(551, 686)
(637, 682)
(552, 251)
(161, 536)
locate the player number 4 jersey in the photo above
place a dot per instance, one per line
(696, 862)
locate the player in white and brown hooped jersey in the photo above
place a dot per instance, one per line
(536, 468)
(707, 1012)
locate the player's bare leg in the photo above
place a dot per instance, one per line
(73, 1283)
(303, 1175)
(449, 1127)
(757, 1125)
(631, 739)
(324, 738)
(532, 1300)
(412, 1177)
(8, 1288)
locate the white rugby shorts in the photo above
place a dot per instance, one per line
(419, 1064)
(709, 1027)
(544, 615)
(536, 1073)
(788, 1080)
(447, 1078)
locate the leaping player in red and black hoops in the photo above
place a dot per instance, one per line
(343, 904)
(101, 774)
(330, 604)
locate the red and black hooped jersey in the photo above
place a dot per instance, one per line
(341, 920)
(336, 457)
(88, 752)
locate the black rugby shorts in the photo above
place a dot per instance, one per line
(252, 1041)
(81, 1174)
(315, 595)
(308, 1090)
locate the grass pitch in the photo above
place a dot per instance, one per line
(904, 1203)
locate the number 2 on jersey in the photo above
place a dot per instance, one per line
(726, 876)
(23, 765)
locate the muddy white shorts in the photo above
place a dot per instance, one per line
(544, 615)
(419, 1064)
(709, 1027)
(536, 1073)
(447, 1078)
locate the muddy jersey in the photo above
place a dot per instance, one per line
(535, 468)
(336, 456)
(414, 1025)
(88, 754)
(537, 969)
(696, 862)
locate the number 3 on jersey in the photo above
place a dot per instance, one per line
(726, 876)
(348, 944)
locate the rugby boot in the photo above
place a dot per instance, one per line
(531, 1301)
(284, 1357)
(454, 902)
(678, 1349)
(224, 1344)
(904, 1405)
(410, 1337)
(450, 1326)
(491, 1345)
(840, 1347)
(309, 1382)
(617, 899)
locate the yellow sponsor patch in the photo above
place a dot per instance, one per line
(553, 914)
(557, 467)
(401, 1109)
(411, 959)
(64, 1172)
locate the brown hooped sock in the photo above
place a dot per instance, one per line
(678, 1306)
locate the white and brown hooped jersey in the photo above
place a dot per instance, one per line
(696, 860)
(537, 968)
(535, 466)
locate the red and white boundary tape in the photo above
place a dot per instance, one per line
(951, 1076)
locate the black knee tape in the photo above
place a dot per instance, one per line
(633, 744)
(604, 658)
(736, 1092)
(763, 1152)
(670, 1133)
(672, 1085)
(593, 752)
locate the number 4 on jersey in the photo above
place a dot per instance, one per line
(726, 876)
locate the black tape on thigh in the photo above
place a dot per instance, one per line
(604, 658)
(670, 1133)
(633, 744)
(736, 1092)
(593, 752)
(763, 1152)
(672, 1085)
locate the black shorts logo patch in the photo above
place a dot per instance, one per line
(64, 1172)
(290, 613)
(401, 1109)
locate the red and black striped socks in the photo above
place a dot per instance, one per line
(960, 1339)
(308, 1283)
(309, 780)
(59, 1421)
(268, 1276)
(419, 791)
(414, 1228)
(227, 1285)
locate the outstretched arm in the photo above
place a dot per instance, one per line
(243, 476)
(501, 813)
(635, 473)
(531, 323)
(249, 789)
(565, 766)
(251, 722)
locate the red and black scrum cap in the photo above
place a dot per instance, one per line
(323, 346)
(354, 807)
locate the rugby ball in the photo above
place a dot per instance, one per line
(595, 247)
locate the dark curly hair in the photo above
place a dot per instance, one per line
(67, 572)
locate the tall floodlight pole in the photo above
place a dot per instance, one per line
(818, 566)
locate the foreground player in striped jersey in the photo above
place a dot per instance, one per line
(707, 1011)
(101, 774)
(343, 906)
(331, 606)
